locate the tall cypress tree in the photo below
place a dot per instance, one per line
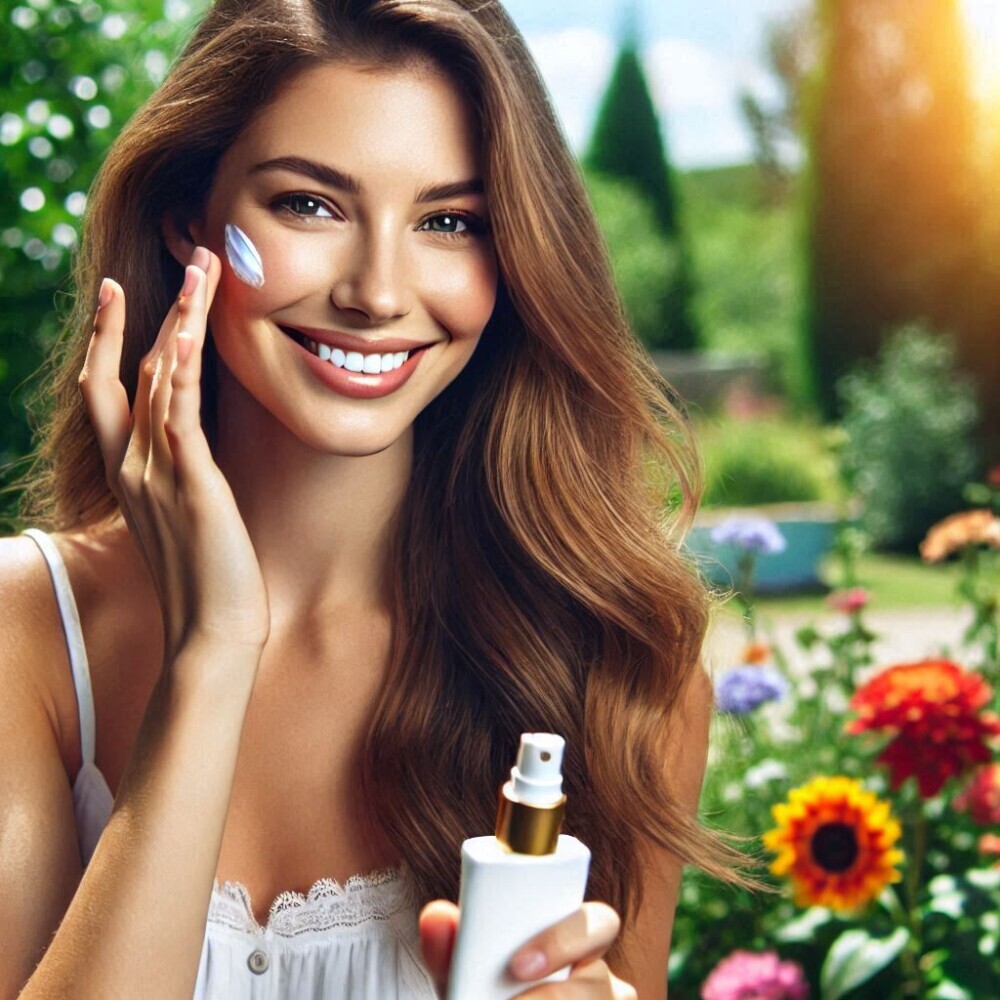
(627, 144)
(891, 217)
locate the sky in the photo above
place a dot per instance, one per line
(699, 55)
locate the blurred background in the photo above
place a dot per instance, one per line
(797, 196)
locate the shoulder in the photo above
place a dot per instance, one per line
(32, 643)
(33, 655)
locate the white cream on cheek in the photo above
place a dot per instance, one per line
(243, 256)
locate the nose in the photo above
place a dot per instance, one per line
(373, 279)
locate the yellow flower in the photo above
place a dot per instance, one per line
(834, 842)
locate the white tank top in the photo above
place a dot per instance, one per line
(356, 940)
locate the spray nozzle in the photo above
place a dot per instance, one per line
(536, 778)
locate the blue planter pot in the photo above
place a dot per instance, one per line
(809, 530)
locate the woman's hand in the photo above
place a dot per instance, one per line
(580, 940)
(178, 506)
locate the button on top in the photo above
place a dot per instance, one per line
(258, 962)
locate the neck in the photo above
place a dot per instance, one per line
(320, 523)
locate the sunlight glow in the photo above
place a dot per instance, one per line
(982, 18)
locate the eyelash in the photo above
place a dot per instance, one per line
(474, 225)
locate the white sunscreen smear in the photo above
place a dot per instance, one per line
(243, 257)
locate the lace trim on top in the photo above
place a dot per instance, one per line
(361, 900)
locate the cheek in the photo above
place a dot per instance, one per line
(461, 297)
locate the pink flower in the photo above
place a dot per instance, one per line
(747, 975)
(850, 601)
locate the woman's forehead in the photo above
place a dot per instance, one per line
(377, 123)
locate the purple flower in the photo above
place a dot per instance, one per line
(747, 975)
(747, 687)
(750, 533)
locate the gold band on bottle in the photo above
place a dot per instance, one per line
(528, 829)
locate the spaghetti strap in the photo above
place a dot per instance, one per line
(74, 640)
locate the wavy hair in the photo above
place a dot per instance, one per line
(538, 583)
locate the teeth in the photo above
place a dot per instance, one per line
(355, 361)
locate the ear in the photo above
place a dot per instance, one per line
(181, 236)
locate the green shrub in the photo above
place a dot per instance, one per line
(645, 262)
(764, 461)
(908, 427)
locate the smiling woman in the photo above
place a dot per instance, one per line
(323, 546)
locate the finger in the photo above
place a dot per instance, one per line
(592, 979)
(438, 922)
(183, 432)
(586, 933)
(104, 396)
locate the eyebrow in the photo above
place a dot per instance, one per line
(342, 181)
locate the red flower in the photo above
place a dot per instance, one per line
(981, 796)
(932, 711)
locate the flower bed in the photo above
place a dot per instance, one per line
(808, 530)
(869, 797)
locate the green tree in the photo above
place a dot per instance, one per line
(627, 144)
(891, 214)
(644, 260)
(71, 73)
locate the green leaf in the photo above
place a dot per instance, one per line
(855, 957)
(947, 990)
(804, 927)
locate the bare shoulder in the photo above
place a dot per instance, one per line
(34, 660)
(31, 637)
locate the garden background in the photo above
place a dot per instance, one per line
(828, 309)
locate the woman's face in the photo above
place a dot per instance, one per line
(362, 191)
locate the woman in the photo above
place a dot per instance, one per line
(316, 608)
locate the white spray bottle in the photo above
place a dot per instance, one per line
(518, 883)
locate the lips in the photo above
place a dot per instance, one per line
(353, 384)
(350, 342)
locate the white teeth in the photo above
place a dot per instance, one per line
(355, 361)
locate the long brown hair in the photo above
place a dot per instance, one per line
(538, 584)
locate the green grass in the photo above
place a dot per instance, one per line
(894, 581)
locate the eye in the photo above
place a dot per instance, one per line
(304, 205)
(453, 224)
(447, 223)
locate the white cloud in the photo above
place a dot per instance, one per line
(695, 90)
(575, 64)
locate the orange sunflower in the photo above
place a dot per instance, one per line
(834, 842)
(933, 712)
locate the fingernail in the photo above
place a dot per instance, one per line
(190, 280)
(184, 344)
(528, 964)
(201, 258)
(106, 293)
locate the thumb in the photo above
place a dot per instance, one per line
(438, 922)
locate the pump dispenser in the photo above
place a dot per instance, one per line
(520, 881)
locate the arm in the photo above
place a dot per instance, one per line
(645, 945)
(147, 888)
